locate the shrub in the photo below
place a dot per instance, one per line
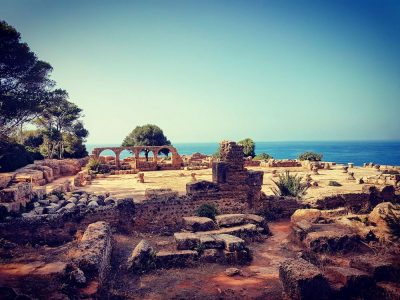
(311, 156)
(263, 156)
(393, 221)
(289, 185)
(334, 183)
(207, 210)
(93, 165)
(13, 156)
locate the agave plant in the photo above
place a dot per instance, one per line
(289, 185)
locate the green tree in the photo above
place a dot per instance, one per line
(311, 156)
(248, 147)
(61, 126)
(24, 81)
(146, 135)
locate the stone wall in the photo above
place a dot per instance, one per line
(56, 229)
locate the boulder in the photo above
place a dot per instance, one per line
(198, 224)
(53, 198)
(70, 206)
(310, 215)
(109, 201)
(142, 257)
(379, 217)
(232, 272)
(73, 200)
(93, 204)
(303, 280)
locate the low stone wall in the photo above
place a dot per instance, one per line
(56, 229)
(275, 207)
(160, 215)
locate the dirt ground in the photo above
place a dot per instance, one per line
(128, 185)
(259, 279)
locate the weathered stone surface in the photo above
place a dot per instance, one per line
(70, 206)
(142, 257)
(232, 243)
(94, 250)
(246, 230)
(387, 291)
(303, 280)
(38, 276)
(210, 242)
(186, 241)
(198, 224)
(348, 282)
(331, 241)
(169, 259)
(310, 215)
(164, 194)
(232, 272)
(379, 216)
(380, 267)
(229, 220)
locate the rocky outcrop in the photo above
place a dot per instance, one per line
(380, 218)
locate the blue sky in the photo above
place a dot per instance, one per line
(211, 70)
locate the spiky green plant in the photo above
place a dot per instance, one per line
(289, 185)
(393, 221)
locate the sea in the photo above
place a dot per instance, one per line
(357, 152)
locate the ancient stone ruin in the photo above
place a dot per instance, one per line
(136, 162)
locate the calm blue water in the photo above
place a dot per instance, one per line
(381, 152)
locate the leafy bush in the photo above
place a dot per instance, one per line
(207, 210)
(289, 185)
(311, 156)
(334, 183)
(263, 156)
(93, 165)
(393, 221)
(13, 156)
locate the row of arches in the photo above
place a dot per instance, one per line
(142, 157)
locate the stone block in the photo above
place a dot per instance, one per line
(332, 240)
(170, 259)
(380, 267)
(232, 243)
(349, 282)
(198, 224)
(303, 280)
(94, 250)
(186, 241)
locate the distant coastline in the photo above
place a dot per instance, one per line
(358, 152)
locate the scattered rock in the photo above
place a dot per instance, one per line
(232, 272)
(93, 204)
(142, 257)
